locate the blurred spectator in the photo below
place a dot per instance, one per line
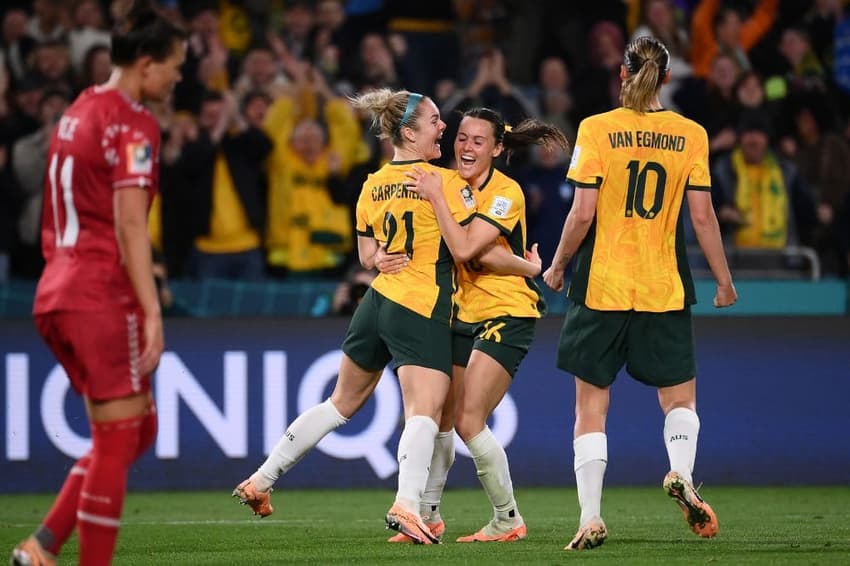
(51, 61)
(761, 200)
(717, 28)
(16, 44)
(554, 98)
(806, 74)
(822, 156)
(483, 26)
(308, 233)
(262, 72)
(376, 66)
(491, 88)
(351, 289)
(425, 42)
(97, 66)
(49, 21)
(224, 169)
(89, 30)
(600, 80)
(549, 198)
(820, 21)
(658, 19)
(23, 116)
(299, 19)
(29, 162)
(712, 103)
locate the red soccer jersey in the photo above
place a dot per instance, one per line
(104, 142)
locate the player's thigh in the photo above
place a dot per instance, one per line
(102, 350)
(592, 346)
(506, 340)
(52, 331)
(661, 348)
(414, 340)
(363, 342)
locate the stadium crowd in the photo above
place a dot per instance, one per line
(263, 155)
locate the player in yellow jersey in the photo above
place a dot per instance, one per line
(631, 286)
(495, 313)
(404, 317)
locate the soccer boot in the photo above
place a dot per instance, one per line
(437, 529)
(699, 514)
(260, 502)
(31, 553)
(410, 524)
(591, 535)
(489, 533)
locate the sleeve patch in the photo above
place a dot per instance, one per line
(576, 154)
(139, 158)
(500, 207)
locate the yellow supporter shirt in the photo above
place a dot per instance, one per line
(482, 295)
(633, 257)
(390, 213)
(230, 231)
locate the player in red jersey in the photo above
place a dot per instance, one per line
(96, 305)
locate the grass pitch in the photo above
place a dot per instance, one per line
(758, 525)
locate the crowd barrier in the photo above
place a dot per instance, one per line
(773, 395)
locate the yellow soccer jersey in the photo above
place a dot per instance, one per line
(633, 257)
(389, 212)
(482, 295)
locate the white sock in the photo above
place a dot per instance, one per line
(415, 448)
(491, 463)
(302, 435)
(681, 429)
(441, 462)
(590, 461)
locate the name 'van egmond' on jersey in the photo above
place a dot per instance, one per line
(644, 138)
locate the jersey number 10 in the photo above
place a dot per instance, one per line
(637, 189)
(68, 237)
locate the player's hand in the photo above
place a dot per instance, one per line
(390, 263)
(726, 296)
(554, 278)
(425, 184)
(534, 257)
(154, 344)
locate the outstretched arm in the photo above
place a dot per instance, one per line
(500, 261)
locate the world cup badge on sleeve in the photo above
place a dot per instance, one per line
(139, 158)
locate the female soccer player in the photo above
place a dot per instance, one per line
(631, 286)
(403, 317)
(96, 305)
(496, 313)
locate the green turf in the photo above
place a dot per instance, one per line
(761, 525)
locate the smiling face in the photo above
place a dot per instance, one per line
(428, 131)
(475, 149)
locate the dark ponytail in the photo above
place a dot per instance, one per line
(143, 31)
(528, 132)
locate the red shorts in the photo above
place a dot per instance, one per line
(99, 350)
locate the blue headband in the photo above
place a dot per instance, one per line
(412, 103)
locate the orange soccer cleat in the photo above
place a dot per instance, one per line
(260, 502)
(437, 529)
(410, 524)
(699, 514)
(591, 535)
(489, 533)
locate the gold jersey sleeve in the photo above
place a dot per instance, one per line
(633, 257)
(482, 295)
(391, 213)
